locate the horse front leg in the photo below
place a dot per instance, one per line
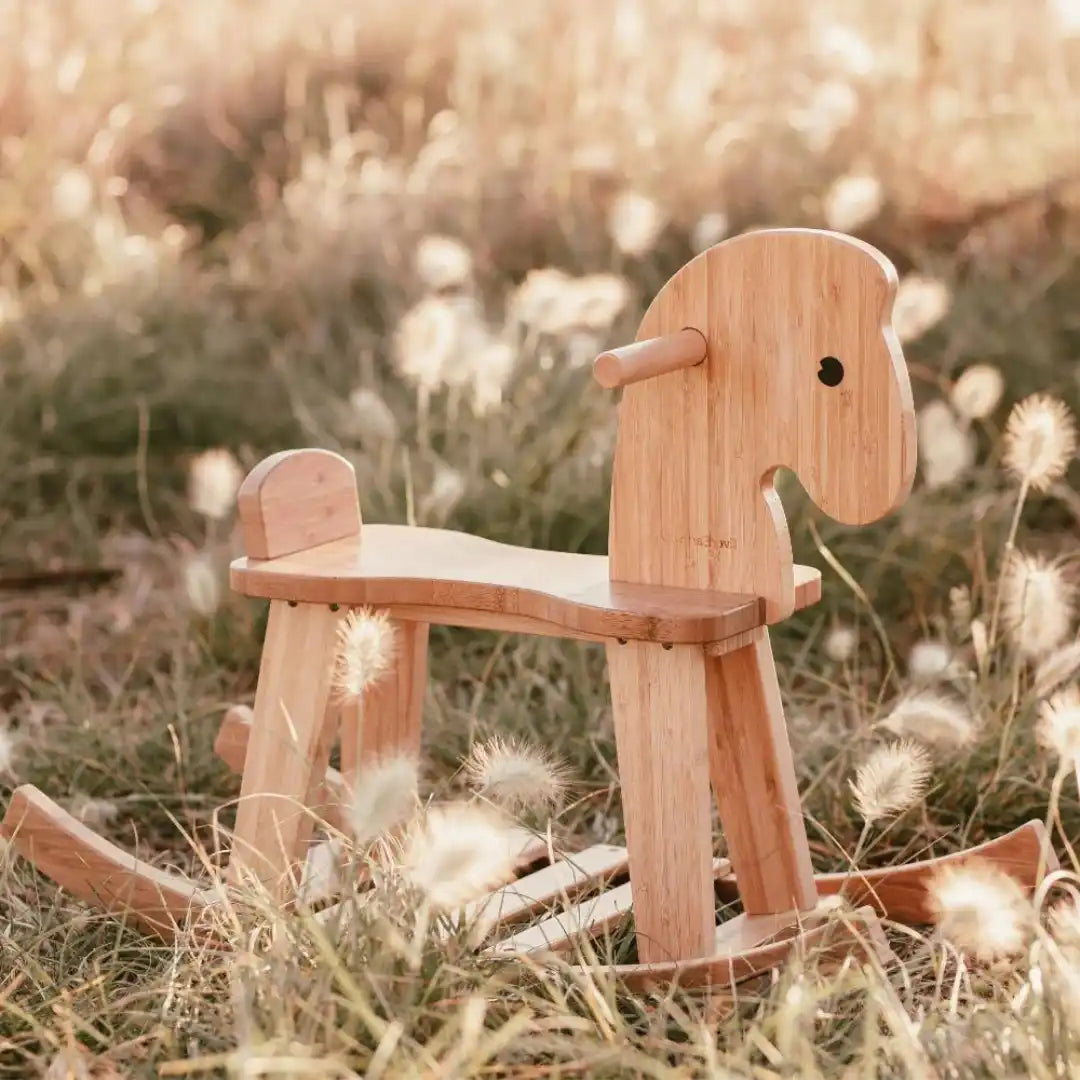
(753, 780)
(659, 706)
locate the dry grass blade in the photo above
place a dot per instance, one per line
(402, 231)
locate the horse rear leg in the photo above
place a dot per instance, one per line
(386, 721)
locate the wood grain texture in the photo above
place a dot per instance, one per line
(96, 871)
(331, 797)
(591, 917)
(733, 644)
(527, 850)
(451, 578)
(297, 499)
(901, 892)
(387, 720)
(753, 779)
(658, 703)
(828, 938)
(645, 359)
(693, 502)
(744, 948)
(521, 899)
(231, 741)
(289, 748)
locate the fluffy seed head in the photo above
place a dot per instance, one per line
(495, 363)
(443, 263)
(73, 194)
(843, 47)
(1037, 604)
(8, 744)
(321, 875)
(213, 479)
(596, 300)
(841, 643)
(1039, 441)
(921, 303)
(539, 302)
(852, 201)
(425, 341)
(960, 610)
(929, 660)
(946, 448)
(372, 417)
(831, 107)
(891, 779)
(384, 797)
(1056, 668)
(436, 340)
(1064, 923)
(458, 853)
(933, 719)
(709, 230)
(201, 584)
(445, 341)
(1067, 16)
(550, 301)
(980, 642)
(448, 485)
(635, 223)
(96, 813)
(1059, 725)
(515, 775)
(365, 651)
(981, 909)
(978, 391)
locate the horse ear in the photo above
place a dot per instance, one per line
(654, 356)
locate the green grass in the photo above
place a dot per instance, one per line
(238, 268)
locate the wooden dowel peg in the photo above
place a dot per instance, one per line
(644, 359)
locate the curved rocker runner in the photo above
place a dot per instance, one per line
(771, 349)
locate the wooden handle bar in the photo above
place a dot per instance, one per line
(654, 356)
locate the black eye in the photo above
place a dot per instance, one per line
(831, 371)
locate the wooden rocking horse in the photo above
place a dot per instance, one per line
(771, 349)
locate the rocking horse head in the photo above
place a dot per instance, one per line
(772, 349)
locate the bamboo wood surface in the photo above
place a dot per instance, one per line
(526, 896)
(96, 871)
(753, 780)
(901, 892)
(331, 800)
(590, 917)
(784, 312)
(288, 750)
(451, 578)
(658, 700)
(386, 720)
(297, 499)
(857, 934)
(646, 359)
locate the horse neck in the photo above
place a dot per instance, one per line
(691, 502)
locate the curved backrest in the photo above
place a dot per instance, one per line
(297, 499)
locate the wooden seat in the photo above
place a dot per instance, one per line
(455, 579)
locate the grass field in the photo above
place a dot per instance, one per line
(402, 231)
